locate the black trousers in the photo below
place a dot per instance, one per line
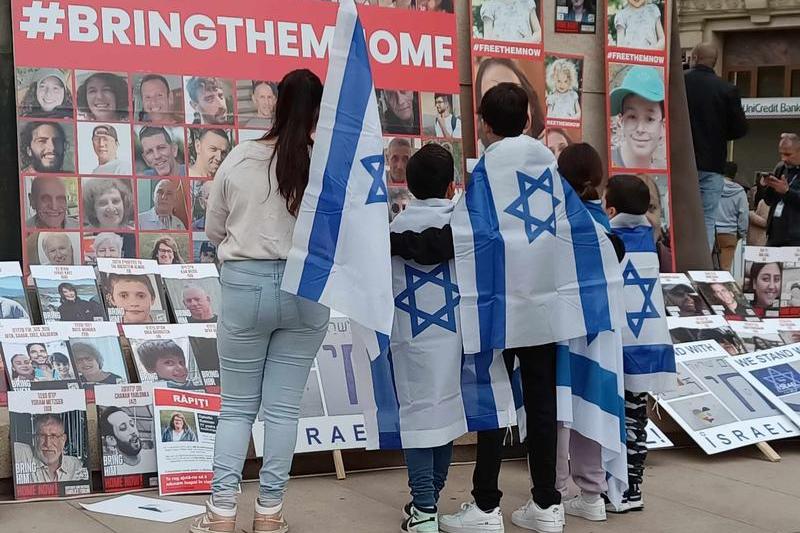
(538, 372)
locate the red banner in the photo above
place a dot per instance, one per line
(251, 38)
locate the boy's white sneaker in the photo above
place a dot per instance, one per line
(420, 522)
(470, 519)
(579, 506)
(531, 516)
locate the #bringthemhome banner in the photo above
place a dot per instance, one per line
(127, 109)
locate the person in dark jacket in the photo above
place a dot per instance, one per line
(73, 309)
(782, 194)
(716, 117)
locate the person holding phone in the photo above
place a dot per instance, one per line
(782, 194)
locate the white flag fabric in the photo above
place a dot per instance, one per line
(340, 249)
(647, 344)
(424, 391)
(533, 267)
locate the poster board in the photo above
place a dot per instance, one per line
(193, 292)
(127, 432)
(185, 433)
(97, 354)
(163, 354)
(68, 294)
(706, 328)
(723, 294)
(775, 373)
(772, 280)
(132, 164)
(716, 405)
(330, 413)
(681, 297)
(38, 358)
(50, 449)
(14, 307)
(132, 291)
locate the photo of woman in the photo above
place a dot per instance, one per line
(48, 95)
(178, 430)
(764, 281)
(107, 203)
(103, 97)
(433, 6)
(491, 71)
(89, 363)
(166, 251)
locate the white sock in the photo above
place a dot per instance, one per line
(268, 510)
(590, 498)
(222, 511)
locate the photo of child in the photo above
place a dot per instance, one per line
(636, 24)
(576, 16)
(638, 117)
(563, 88)
(515, 21)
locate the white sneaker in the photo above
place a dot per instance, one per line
(531, 516)
(420, 522)
(578, 506)
(470, 519)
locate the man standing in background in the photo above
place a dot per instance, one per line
(716, 117)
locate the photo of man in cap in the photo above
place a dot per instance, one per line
(106, 144)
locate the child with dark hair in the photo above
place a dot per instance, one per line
(649, 358)
(166, 360)
(427, 383)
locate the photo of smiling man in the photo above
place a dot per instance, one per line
(159, 151)
(156, 99)
(45, 147)
(52, 202)
(209, 100)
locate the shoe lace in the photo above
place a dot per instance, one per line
(466, 506)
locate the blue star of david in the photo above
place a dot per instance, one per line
(782, 381)
(521, 207)
(375, 165)
(444, 317)
(646, 285)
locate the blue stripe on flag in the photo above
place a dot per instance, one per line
(387, 409)
(649, 358)
(490, 263)
(588, 265)
(637, 239)
(353, 99)
(480, 407)
(591, 382)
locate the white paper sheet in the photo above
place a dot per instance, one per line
(152, 509)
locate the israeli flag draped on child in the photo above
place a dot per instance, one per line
(533, 268)
(340, 250)
(647, 345)
(425, 392)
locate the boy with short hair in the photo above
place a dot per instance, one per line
(426, 355)
(639, 105)
(649, 358)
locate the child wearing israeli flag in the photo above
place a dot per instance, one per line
(590, 449)
(426, 345)
(647, 347)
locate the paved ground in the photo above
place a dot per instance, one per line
(685, 492)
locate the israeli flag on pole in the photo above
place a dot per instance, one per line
(340, 251)
(647, 345)
(425, 392)
(533, 267)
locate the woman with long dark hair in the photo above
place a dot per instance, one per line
(267, 339)
(493, 71)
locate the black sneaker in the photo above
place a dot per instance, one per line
(634, 496)
(407, 511)
(622, 508)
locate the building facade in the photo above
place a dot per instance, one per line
(759, 41)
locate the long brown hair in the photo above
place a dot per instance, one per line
(581, 166)
(296, 114)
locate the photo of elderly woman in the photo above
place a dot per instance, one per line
(98, 361)
(107, 203)
(45, 93)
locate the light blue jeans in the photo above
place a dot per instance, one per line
(711, 185)
(267, 340)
